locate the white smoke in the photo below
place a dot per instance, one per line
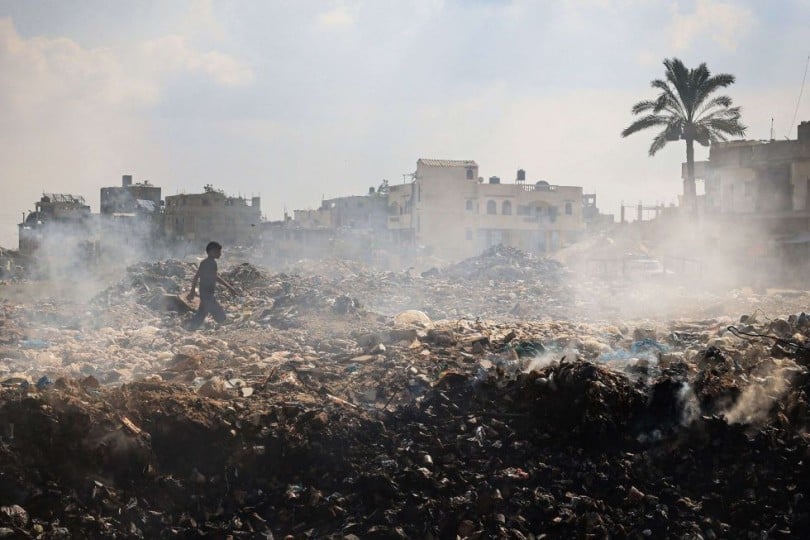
(758, 398)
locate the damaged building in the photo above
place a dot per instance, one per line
(351, 226)
(195, 219)
(131, 213)
(55, 215)
(761, 190)
(130, 198)
(769, 179)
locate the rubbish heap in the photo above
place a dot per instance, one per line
(312, 414)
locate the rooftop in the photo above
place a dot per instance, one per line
(447, 162)
(63, 198)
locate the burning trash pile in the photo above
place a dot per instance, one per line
(313, 415)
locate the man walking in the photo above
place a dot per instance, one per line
(208, 278)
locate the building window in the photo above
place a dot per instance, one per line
(469, 205)
(468, 234)
(552, 213)
(492, 207)
(568, 209)
(470, 174)
(506, 208)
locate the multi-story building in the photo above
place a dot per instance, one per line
(350, 227)
(129, 198)
(758, 177)
(761, 191)
(201, 217)
(353, 212)
(130, 214)
(449, 211)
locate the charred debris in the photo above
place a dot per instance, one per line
(346, 402)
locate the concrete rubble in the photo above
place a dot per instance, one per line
(479, 400)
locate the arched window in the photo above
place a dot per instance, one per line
(470, 173)
(506, 208)
(569, 209)
(492, 207)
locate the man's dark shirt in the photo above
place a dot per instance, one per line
(208, 276)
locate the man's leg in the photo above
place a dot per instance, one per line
(198, 318)
(216, 310)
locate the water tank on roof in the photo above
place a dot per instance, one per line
(494, 180)
(521, 175)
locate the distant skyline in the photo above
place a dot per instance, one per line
(295, 101)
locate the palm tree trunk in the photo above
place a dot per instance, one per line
(689, 189)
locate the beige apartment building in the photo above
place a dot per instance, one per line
(452, 213)
(201, 217)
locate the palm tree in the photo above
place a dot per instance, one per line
(685, 111)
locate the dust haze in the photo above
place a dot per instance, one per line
(480, 298)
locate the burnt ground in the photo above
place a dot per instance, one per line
(316, 413)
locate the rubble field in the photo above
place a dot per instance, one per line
(492, 398)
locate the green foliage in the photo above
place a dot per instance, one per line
(685, 108)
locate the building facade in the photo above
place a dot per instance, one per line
(199, 218)
(760, 190)
(758, 177)
(129, 198)
(451, 212)
(55, 215)
(131, 215)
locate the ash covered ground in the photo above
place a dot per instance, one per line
(504, 396)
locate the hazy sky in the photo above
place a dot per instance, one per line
(296, 100)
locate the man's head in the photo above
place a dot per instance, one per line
(214, 249)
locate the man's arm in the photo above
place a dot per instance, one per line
(227, 285)
(194, 281)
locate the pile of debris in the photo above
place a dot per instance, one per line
(313, 414)
(504, 263)
(474, 446)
